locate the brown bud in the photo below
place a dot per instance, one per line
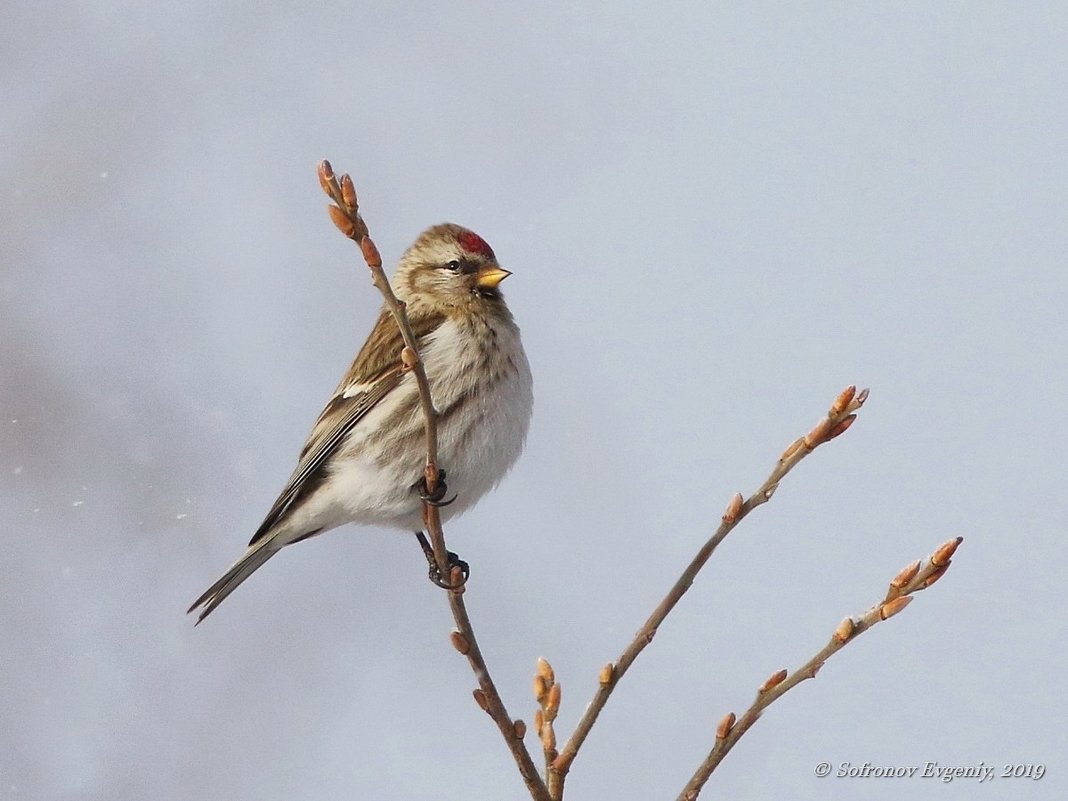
(480, 699)
(891, 608)
(552, 705)
(460, 643)
(539, 721)
(941, 556)
(862, 396)
(931, 579)
(773, 680)
(845, 630)
(842, 427)
(541, 688)
(841, 403)
(348, 193)
(725, 726)
(520, 729)
(606, 674)
(326, 175)
(456, 575)
(907, 574)
(409, 358)
(342, 221)
(370, 252)
(734, 506)
(545, 670)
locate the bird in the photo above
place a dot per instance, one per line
(364, 460)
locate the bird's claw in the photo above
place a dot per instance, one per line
(437, 497)
(445, 583)
(441, 578)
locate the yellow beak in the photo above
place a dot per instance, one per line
(489, 277)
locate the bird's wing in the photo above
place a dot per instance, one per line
(374, 374)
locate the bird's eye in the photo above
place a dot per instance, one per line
(454, 266)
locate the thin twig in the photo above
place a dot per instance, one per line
(346, 216)
(489, 699)
(911, 579)
(548, 693)
(837, 420)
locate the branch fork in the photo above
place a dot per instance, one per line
(913, 578)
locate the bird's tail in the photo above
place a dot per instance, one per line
(249, 563)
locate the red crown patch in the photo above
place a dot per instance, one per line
(473, 243)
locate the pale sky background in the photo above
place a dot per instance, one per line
(717, 216)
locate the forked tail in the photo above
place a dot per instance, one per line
(253, 559)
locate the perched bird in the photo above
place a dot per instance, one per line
(363, 461)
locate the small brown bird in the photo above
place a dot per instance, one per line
(363, 461)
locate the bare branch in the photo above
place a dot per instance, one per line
(920, 576)
(346, 216)
(547, 692)
(489, 699)
(837, 420)
(917, 576)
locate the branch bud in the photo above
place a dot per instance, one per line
(607, 674)
(459, 642)
(545, 670)
(409, 358)
(940, 557)
(734, 506)
(862, 396)
(845, 630)
(539, 721)
(348, 194)
(904, 578)
(326, 176)
(456, 575)
(931, 579)
(541, 689)
(480, 699)
(552, 705)
(891, 608)
(725, 726)
(370, 252)
(341, 221)
(841, 403)
(773, 680)
(520, 729)
(842, 427)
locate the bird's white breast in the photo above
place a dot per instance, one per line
(481, 385)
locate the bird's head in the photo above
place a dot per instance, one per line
(449, 267)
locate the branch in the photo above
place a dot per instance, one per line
(913, 578)
(838, 419)
(346, 216)
(547, 692)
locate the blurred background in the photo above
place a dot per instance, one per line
(717, 216)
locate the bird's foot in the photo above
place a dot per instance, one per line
(437, 497)
(439, 578)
